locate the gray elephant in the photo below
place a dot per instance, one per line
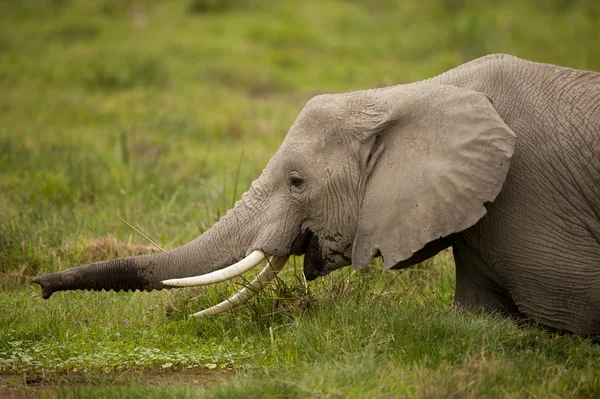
(498, 158)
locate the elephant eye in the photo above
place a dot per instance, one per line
(295, 180)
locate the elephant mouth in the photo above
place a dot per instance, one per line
(313, 261)
(319, 259)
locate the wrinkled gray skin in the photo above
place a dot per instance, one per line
(406, 171)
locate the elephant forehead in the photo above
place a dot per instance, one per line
(334, 110)
(312, 125)
(314, 145)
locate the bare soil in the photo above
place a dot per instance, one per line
(35, 385)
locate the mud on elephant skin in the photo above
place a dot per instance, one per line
(498, 158)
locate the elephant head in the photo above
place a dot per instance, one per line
(360, 174)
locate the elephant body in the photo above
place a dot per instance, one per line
(498, 158)
(537, 250)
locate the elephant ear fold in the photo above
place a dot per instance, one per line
(446, 152)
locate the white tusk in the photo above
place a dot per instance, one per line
(274, 266)
(217, 276)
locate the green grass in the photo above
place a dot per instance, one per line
(166, 111)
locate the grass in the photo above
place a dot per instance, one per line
(166, 111)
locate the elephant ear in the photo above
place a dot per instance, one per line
(443, 153)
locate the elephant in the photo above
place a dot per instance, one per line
(498, 158)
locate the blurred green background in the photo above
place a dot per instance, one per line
(167, 110)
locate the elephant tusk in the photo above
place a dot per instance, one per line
(217, 276)
(274, 266)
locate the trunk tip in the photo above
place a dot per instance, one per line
(46, 288)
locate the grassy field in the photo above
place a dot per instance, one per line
(166, 111)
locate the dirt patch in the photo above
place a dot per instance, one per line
(36, 385)
(108, 247)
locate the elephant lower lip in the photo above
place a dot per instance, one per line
(300, 245)
(310, 275)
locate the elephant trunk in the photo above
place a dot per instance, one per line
(129, 274)
(223, 244)
(116, 274)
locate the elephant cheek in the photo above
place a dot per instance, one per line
(313, 264)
